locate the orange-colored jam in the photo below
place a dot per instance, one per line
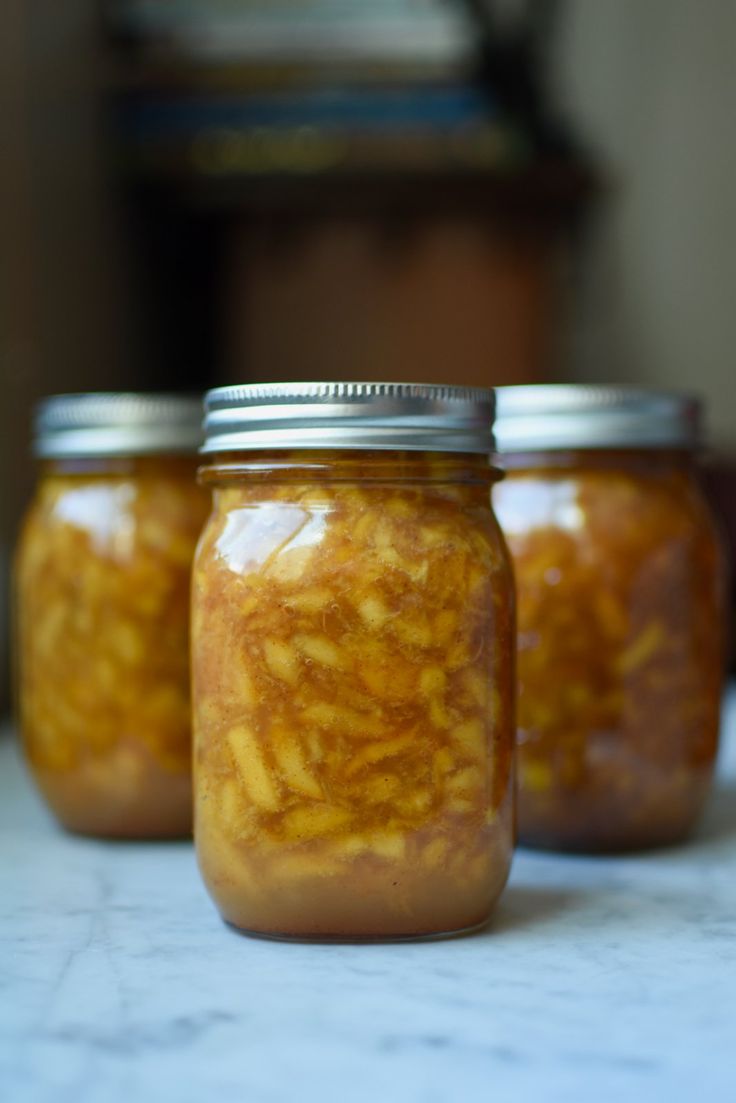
(620, 658)
(102, 610)
(353, 695)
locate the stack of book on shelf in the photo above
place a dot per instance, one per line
(247, 89)
(370, 38)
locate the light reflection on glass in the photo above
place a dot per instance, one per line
(104, 513)
(529, 504)
(253, 537)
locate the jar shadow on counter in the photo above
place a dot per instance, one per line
(147, 843)
(525, 906)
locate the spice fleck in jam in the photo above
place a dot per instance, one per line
(102, 617)
(620, 648)
(353, 693)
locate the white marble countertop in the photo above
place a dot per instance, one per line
(599, 980)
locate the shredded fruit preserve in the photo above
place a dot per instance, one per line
(353, 645)
(103, 577)
(620, 662)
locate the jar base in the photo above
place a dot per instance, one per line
(124, 835)
(357, 939)
(159, 809)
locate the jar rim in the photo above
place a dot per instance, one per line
(110, 424)
(349, 416)
(559, 416)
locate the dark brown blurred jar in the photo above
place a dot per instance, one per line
(620, 580)
(102, 608)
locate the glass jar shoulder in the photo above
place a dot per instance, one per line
(293, 530)
(115, 517)
(625, 511)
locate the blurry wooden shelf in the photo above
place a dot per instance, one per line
(548, 197)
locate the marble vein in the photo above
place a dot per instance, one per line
(597, 981)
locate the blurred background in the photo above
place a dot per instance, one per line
(197, 192)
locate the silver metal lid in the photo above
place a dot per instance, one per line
(86, 425)
(561, 415)
(386, 416)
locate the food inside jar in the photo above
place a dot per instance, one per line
(352, 663)
(619, 581)
(103, 577)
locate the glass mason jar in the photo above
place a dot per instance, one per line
(353, 652)
(620, 586)
(102, 580)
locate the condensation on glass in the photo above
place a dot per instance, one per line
(353, 648)
(620, 583)
(102, 583)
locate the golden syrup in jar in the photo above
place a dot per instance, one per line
(353, 642)
(619, 576)
(102, 621)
